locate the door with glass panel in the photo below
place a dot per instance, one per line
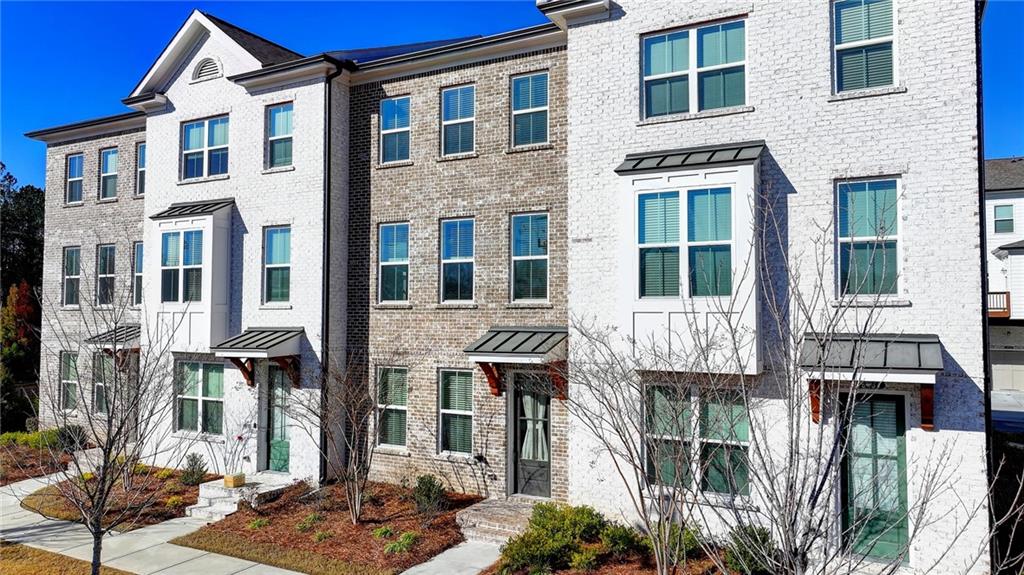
(531, 415)
(277, 422)
(874, 478)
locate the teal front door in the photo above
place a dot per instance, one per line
(277, 428)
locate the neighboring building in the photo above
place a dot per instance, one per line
(1004, 248)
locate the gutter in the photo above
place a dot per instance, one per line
(125, 117)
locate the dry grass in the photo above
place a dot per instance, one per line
(21, 560)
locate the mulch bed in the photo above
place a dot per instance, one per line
(18, 462)
(343, 547)
(633, 566)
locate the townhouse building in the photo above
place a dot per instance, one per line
(1004, 238)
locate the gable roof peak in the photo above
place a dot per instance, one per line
(267, 52)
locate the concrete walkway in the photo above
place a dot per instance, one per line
(467, 558)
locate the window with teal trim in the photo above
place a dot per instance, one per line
(721, 70)
(709, 241)
(666, 77)
(667, 411)
(658, 241)
(725, 434)
(277, 260)
(863, 37)
(867, 229)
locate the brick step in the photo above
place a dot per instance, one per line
(487, 535)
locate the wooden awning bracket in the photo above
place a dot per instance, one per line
(493, 379)
(926, 391)
(814, 390)
(557, 370)
(290, 365)
(121, 357)
(247, 367)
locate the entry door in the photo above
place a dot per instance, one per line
(532, 424)
(277, 428)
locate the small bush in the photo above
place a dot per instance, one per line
(259, 523)
(621, 541)
(164, 474)
(585, 559)
(174, 502)
(321, 536)
(71, 438)
(195, 469)
(580, 523)
(532, 551)
(403, 544)
(48, 438)
(429, 495)
(309, 521)
(173, 486)
(140, 469)
(383, 532)
(750, 550)
(554, 534)
(11, 437)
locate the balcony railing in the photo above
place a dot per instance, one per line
(999, 304)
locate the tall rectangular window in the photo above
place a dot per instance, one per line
(666, 77)
(863, 44)
(724, 434)
(277, 258)
(68, 380)
(102, 379)
(105, 275)
(667, 416)
(457, 120)
(658, 243)
(457, 260)
(393, 394)
(1003, 219)
(721, 70)
(530, 257)
(279, 135)
(140, 169)
(137, 273)
(204, 148)
(530, 109)
(456, 411)
(394, 130)
(108, 174)
(200, 398)
(709, 241)
(72, 274)
(868, 259)
(181, 266)
(73, 195)
(394, 262)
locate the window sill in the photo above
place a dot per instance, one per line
(696, 115)
(73, 204)
(278, 170)
(139, 196)
(276, 306)
(455, 157)
(196, 436)
(396, 305)
(393, 451)
(402, 164)
(70, 307)
(866, 93)
(216, 178)
(106, 200)
(529, 305)
(452, 457)
(456, 305)
(530, 148)
(871, 301)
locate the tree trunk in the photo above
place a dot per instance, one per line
(97, 548)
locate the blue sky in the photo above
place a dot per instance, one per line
(62, 62)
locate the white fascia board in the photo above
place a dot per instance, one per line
(94, 131)
(313, 70)
(511, 358)
(577, 12)
(919, 377)
(283, 349)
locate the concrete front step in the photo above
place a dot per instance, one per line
(216, 501)
(494, 520)
(487, 535)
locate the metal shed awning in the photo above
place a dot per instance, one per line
(261, 343)
(519, 345)
(122, 336)
(691, 158)
(872, 352)
(193, 209)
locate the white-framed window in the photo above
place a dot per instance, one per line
(137, 273)
(108, 173)
(68, 380)
(530, 109)
(277, 268)
(394, 129)
(393, 395)
(458, 120)
(105, 274)
(204, 148)
(530, 257)
(140, 169)
(72, 274)
(181, 266)
(658, 244)
(279, 135)
(455, 407)
(457, 259)
(73, 194)
(200, 398)
(702, 68)
(868, 215)
(102, 379)
(863, 43)
(1003, 219)
(393, 262)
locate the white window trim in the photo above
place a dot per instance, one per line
(268, 266)
(137, 272)
(840, 241)
(382, 407)
(442, 412)
(66, 277)
(112, 276)
(654, 245)
(181, 267)
(201, 400)
(996, 219)
(68, 179)
(140, 169)
(836, 48)
(512, 117)
(408, 128)
(206, 147)
(471, 119)
(515, 258)
(469, 260)
(272, 139)
(65, 382)
(105, 175)
(98, 383)
(381, 264)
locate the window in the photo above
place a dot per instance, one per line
(394, 130)
(1004, 219)
(667, 412)
(709, 241)
(530, 257)
(530, 109)
(457, 120)
(277, 257)
(863, 44)
(72, 274)
(205, 148)
(140, 169)
(724, 433)
(105, 274)
(68, 380)
(74, 185)
(456, 407)
(102, 378)
(394, 262)
(200, 402)
(868, 262)
(392, 396)
(685, 71)
(279, 135)
(658, 240)
(108, 174)
(181, 266)
(137, 273)
(457, 260)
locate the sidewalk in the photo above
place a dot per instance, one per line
(467, 558)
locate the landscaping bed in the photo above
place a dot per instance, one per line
(21, 560)
(24, 455)
(315, 535)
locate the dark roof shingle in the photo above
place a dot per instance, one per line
(1004, 174)
(267, 52)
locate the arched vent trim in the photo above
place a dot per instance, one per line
(206, 68)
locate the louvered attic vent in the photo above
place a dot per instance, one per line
(206, 69)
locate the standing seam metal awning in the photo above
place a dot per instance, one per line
(691, 158)
(122, 336)
(192, 209)
(261, 343)
(872, 351)
(519, 345)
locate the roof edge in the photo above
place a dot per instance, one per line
(43, 134)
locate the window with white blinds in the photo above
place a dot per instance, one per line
(863, 31)
(530, 109)
(394, 130)
(393, 395)
(181, 266)
(658, 241)
(458, 120)
(456, 411)
(457, 260)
